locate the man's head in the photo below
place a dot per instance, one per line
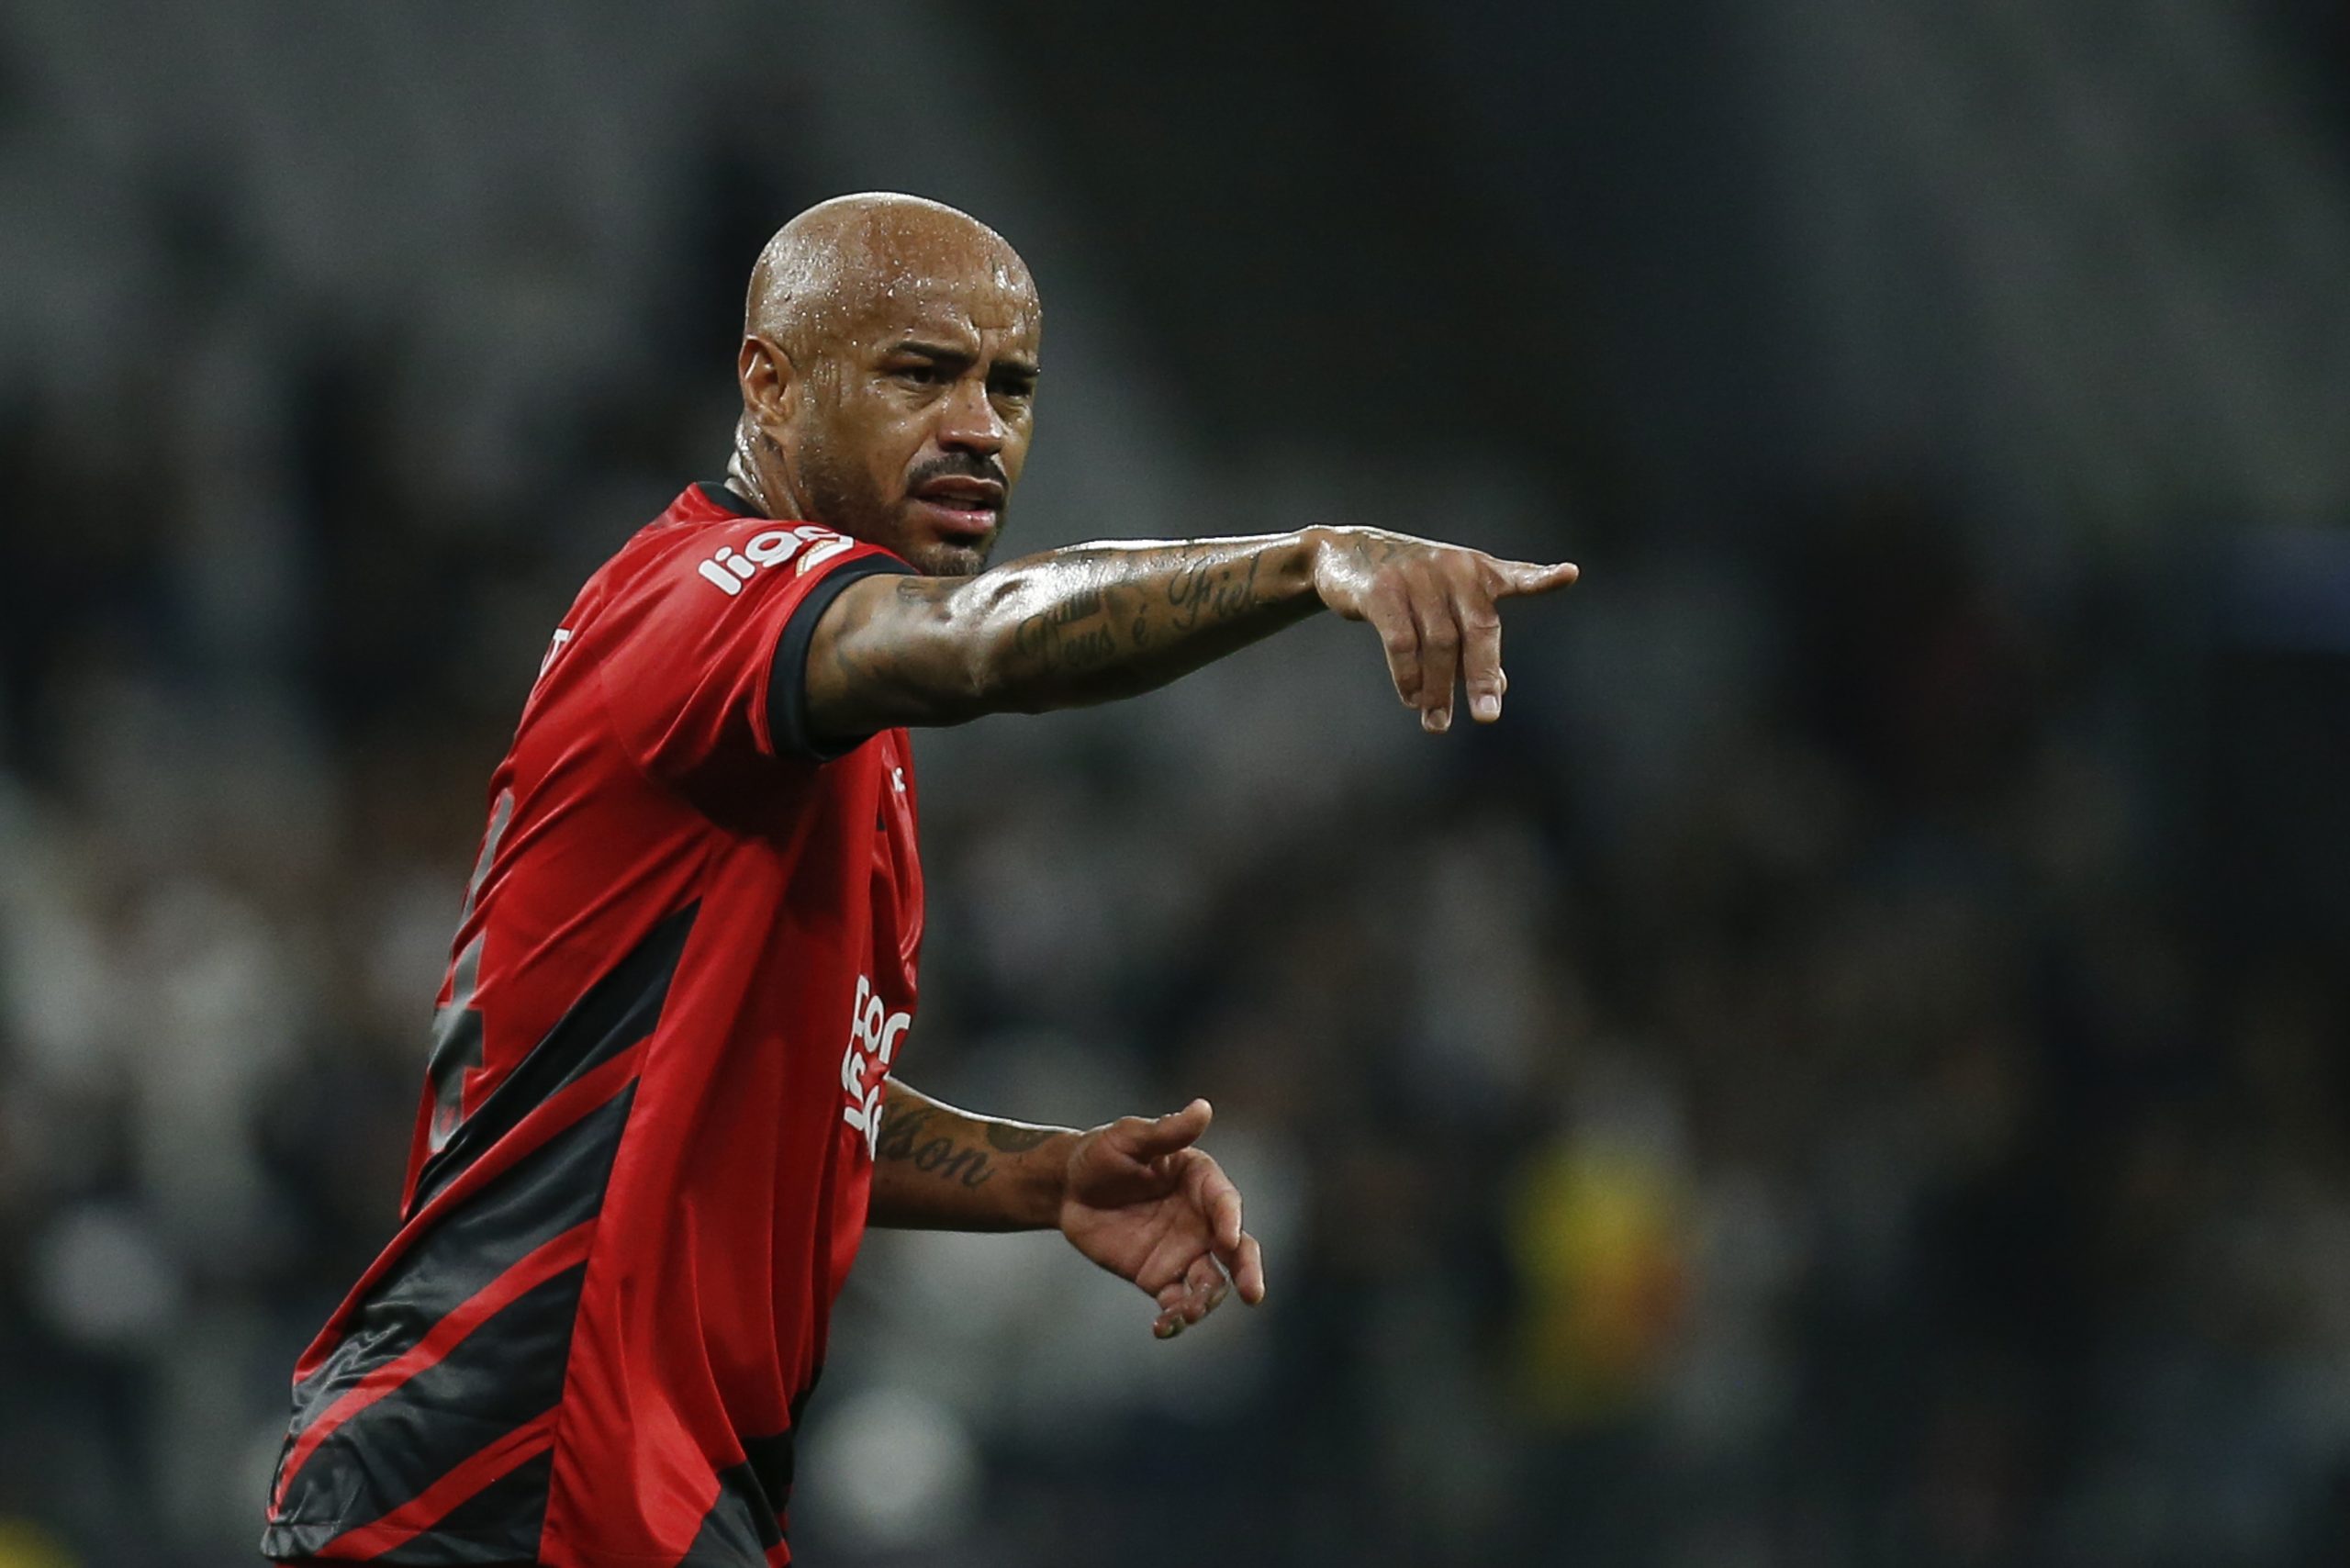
(889, 377)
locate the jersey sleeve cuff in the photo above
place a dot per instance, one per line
(787, 726)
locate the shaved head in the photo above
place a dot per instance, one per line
(847, 254)
(888, 371)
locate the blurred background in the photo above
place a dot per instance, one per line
(1852, 1071)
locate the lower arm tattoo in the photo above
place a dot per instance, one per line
(936, 1167)
(1059, 629)
(924, 1137)
(1101, 622)
(1215, 591)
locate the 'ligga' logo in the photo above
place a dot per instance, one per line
(729, 571)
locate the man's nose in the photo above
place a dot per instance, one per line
(968, 421)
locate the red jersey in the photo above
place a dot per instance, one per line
(641, 1166)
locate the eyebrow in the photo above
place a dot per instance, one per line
(950, 354)
(931, 351)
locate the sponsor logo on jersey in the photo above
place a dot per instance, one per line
(729, 569)
(873, 1034)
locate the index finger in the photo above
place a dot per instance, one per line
(1519, 577)
(1218, 1201)
(1481, 655)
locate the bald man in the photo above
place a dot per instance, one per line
(661, 1102)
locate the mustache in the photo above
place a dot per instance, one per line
(958, 465)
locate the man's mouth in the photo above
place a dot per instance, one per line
(961, 505)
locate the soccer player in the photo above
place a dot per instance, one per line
(661, 1102)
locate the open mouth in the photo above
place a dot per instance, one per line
(961, 505)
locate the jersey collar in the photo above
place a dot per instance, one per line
(717, 493)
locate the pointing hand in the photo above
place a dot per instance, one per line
(1435, 609)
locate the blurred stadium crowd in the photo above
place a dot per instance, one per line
(1852, 1072)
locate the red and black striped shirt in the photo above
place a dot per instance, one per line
(642, 1161)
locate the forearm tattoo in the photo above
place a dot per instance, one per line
(926, 1138)
(1063, 629)
(1014, 1140)
(1108, 622)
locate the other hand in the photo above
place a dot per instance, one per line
(1434, 608)
(1147, 1205)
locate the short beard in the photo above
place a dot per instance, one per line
(944, 560)
(843, 498)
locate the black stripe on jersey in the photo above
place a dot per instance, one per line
(726, 497)
(788, 682)
(549, 1190)
(739, 1528)
(498, 1524)
(770, 1461)
(614, 1013)
(746, 1518)
(509, 1371)
(506, 1372)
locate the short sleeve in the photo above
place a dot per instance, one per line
(706, 660)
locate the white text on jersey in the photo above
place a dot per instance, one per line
(729, 571)
(873, 1034)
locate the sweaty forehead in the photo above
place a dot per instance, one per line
(920, 274)
(991, 296)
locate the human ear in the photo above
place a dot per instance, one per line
(766, 375)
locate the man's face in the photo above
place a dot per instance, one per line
(909, 417)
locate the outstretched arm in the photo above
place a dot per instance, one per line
(1098, 621)
(1133, 1195)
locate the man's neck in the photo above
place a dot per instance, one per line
(770, 492)
(745, 484)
